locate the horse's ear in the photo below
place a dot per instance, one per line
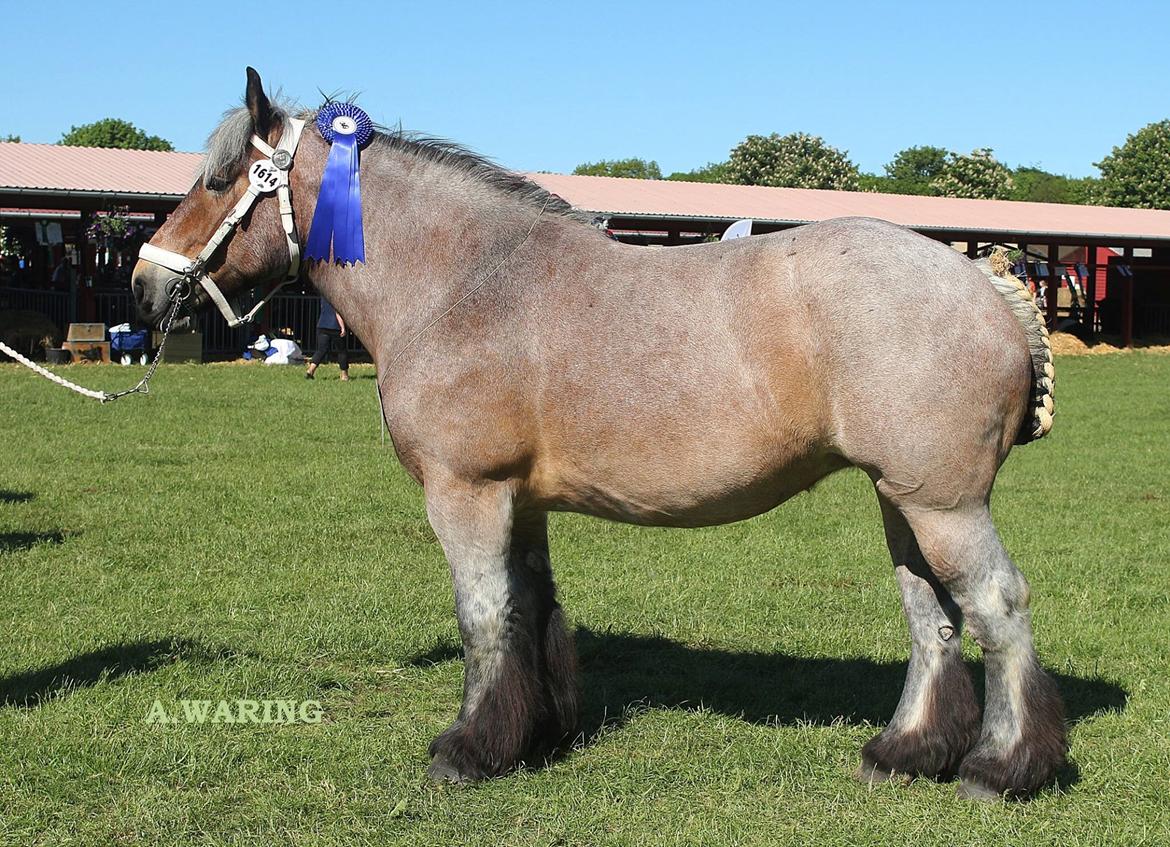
(258, 105)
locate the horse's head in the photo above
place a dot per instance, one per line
(244, 183)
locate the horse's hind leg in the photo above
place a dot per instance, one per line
(520, 696)
(1022, 744)
(937, 719)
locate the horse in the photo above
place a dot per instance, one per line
(527, 363)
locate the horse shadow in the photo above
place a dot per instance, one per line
(12, 542)
(30, 689)
(623, 674)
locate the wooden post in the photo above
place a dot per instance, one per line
(1052, 288)
(1091, 291)
(82, 306)
(1127, 300)
(972, 249)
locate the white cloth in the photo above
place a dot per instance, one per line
(283, 352)
(739, 229)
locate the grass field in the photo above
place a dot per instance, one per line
(177, 547)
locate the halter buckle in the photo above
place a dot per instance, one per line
(282, 159)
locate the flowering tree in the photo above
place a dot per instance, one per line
(1137, 174)
(798, 160)
(10, 247)
(979, 176)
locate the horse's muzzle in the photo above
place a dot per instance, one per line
(154, 288)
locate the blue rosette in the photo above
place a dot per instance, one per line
(336, 232)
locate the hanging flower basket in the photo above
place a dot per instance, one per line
(114, 229)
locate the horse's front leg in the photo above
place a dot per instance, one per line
(520, 690)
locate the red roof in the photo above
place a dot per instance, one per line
(669, 199)
(27, 168)
(96, 169)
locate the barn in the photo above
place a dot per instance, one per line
(1099, 269)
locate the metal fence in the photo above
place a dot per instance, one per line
(52, 304)
(1155, 319)
(295, 312)
(299, 312)
(114, 307)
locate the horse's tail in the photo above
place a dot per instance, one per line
(1023, 306)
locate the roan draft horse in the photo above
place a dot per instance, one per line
(528, 363)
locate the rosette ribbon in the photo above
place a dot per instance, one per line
(337, 220)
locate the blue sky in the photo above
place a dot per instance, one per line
(545, 86)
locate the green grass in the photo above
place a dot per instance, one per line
(177, 546)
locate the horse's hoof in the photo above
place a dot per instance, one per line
(969, 790)
(871, 773)
(441, 770)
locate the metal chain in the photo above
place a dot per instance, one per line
(143, 386)
(180, 293)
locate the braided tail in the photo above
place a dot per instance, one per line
(1023, 306)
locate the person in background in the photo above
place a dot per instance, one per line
(63, 274)
(330, 336)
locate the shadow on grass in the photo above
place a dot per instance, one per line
(31, 689)
(7, 496)
(623, 673)
(11, 542)
(623, 669)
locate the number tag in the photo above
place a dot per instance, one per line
(264, 175)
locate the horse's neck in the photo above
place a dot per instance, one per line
(430, 236)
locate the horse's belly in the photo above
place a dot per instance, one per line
(667, 494)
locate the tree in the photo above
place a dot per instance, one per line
(710, 172)
(979, 176)
(1137, 174)
(113, 132)
(914, 169)
(12, 138)
(628, 168)
(1084, 191)
(876, 184)
(798, 160)
(1040, 186)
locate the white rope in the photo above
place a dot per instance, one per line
(143, 386)
(48, 374)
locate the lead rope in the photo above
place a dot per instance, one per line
(143, 386)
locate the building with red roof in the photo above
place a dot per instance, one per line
(1118, 257)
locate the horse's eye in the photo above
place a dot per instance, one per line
(217, 183)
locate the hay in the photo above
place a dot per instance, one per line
(1001, 265)
(1065, 344)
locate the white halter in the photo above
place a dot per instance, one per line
(264, 177)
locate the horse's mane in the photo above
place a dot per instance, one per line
(229, 143)
(456, 156)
